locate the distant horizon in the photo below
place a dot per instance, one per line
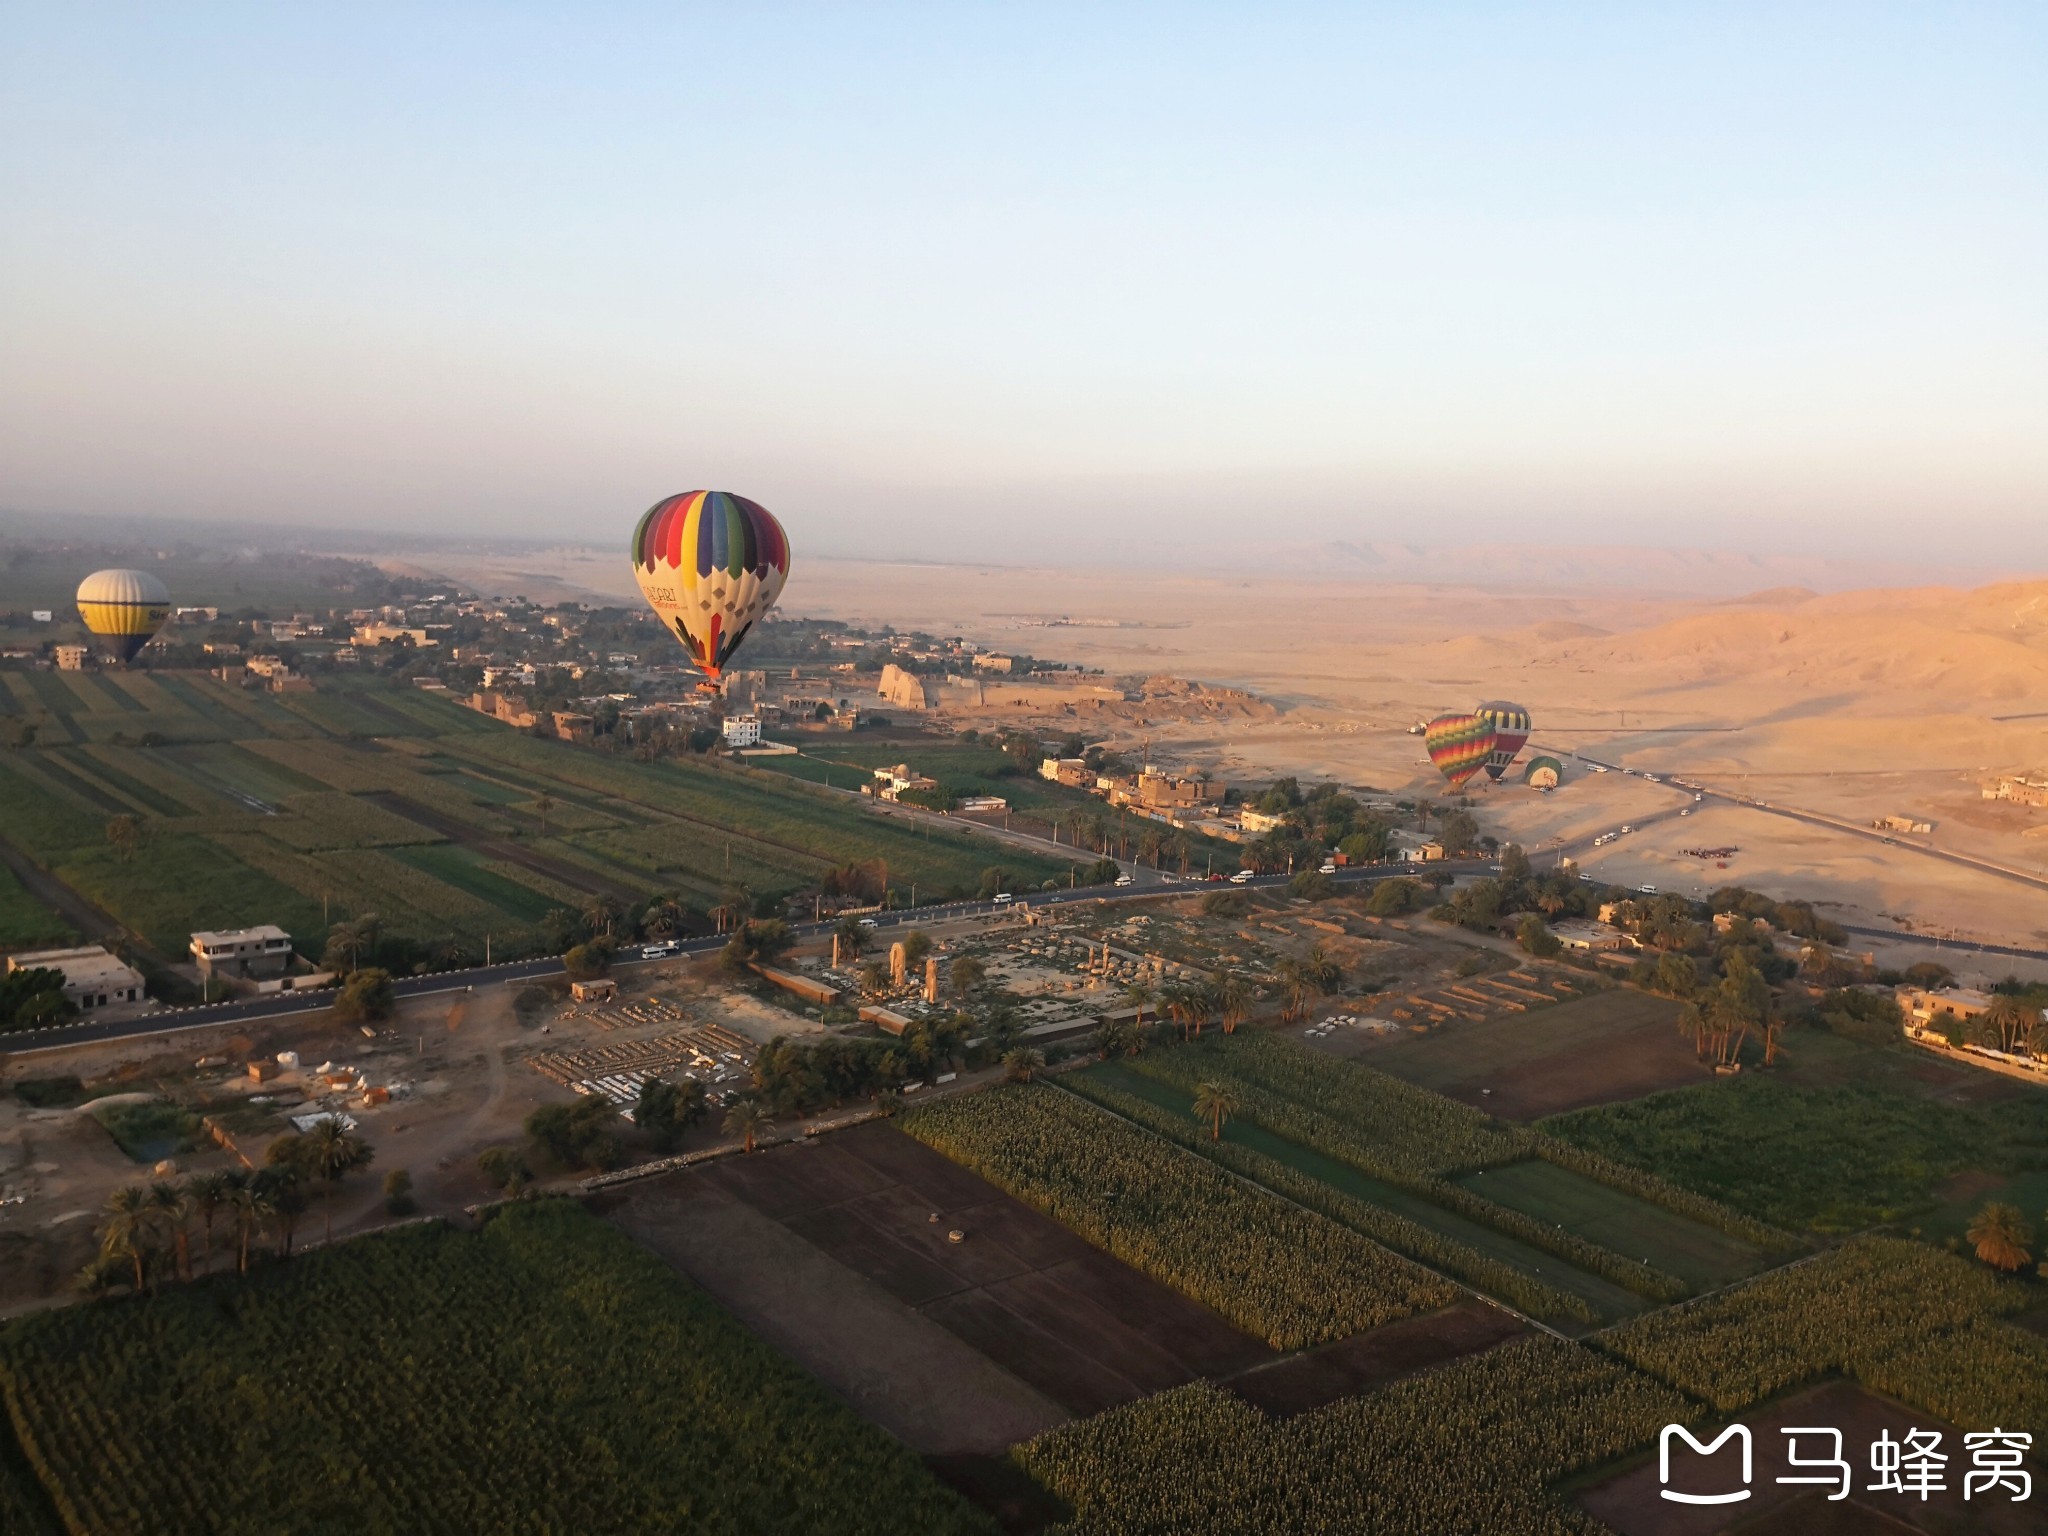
(1053, 284)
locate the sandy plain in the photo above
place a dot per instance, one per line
(1855, 705)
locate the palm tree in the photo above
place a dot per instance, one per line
(599, 913)
(128, 1228)
(663, 917)
(964, 975)
(746, 1120)
(874, 979)
(1214, 1103)
(1023, 1064)
(544, 803)
(210, 1194)
(252, 1202)
(2007, 1024)
(1139, 996)
(1118, 1038)
(1233, 998)
(853, 939)
(334, 1153)
(2000, 1236)
(170, 1210)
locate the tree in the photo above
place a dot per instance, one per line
(1458, 832)
(2008, 1025)
(2000, 1236)
(916, 945)
(124, 836)
(747, 1119)
(127, 1232)
(252, 1206)
(505, 1169)
(965, 974)
(1301, 981)
(349, 942)
(1535, 937)
(1514, 863)
(169, 1210)
(1312, 885)
(579, 1135)
(735, 906)
(663, 918)
(367, 994)
(994, 881)
(1233, 998)
(1023, 1064)
(544, 804)
(599, 913)
(1119, 1037)
(584, 961)
(1395, 898)
(1214, 1103)
(333, 1152)
(853, 938)
(398, 1192)
(284, 1188)
(666, 1110)
(210, 1194)
(1139, 995)
(874, 979)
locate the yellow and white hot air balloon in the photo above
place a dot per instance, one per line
(124, 609)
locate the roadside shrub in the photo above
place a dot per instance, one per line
(367, 995)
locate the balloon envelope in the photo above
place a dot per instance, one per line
(710, 564)
(1510, 724)
(123, 608)
(1543, 773)
(1458, 745)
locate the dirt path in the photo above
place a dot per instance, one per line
(92, 924)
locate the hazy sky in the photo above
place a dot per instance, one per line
(1026, 280)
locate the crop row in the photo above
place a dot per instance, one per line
(1986, 1375)
(1383, 1226)
(1398, 1124)
(1847, 1309)
(330, 819)
(541, 1375)
(1366, 1147)
(1471, 1447)
(1288, 1275)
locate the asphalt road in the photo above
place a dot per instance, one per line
(285, 1005)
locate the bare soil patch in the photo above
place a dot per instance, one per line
(831, 1251)
(1522, 1066)
(1368, 1360)
(1630, 1504)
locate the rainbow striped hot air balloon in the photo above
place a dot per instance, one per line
(124, 608)
(710, 564)
(1458, 745)
(1510, 724)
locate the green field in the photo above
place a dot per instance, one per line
(1699, 1255)
(1604, 1300)
(26, 923)
(1832, 1156)
(369, 796)
(540, 1375)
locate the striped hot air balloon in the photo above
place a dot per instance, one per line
(124, 609)
(1459, 746)
(1510, 724)
(710, 564)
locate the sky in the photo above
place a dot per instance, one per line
(1066, 284)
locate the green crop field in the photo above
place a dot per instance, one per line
(26, 923)
(540, 1375)
(1830, 1158)
(370, 796)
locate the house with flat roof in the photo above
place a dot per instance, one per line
(261, 951)
(93, 978)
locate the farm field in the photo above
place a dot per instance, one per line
(1607, 1046)
(1461, 1236)
(25, 923)
(541, 1374)
(1280, 1272)
(1836, 1157)
(1700, 1255)
(368, 796)
(1047, 1310)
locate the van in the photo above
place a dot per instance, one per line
(1243, 875)
(1004, 898)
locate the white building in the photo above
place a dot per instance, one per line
(262, 951)
(743, 730)
(92, 977)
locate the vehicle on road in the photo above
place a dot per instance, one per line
(1646, 890)
(1686, 812)
(1004, 898)
(1326, 869)
(870, 924)
(1628, 829)
(661, 949)
(1243, 875)
(1126, 879)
